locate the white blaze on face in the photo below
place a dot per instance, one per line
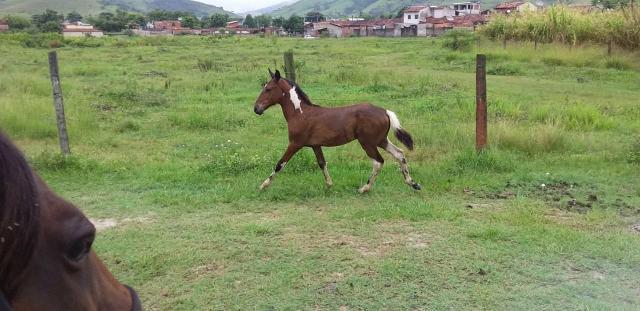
(295, 99)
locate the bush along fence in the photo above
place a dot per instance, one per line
(561, 24)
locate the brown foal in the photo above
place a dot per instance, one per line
(316, 127)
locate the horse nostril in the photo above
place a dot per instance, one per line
(257, 111)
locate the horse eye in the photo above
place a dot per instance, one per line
(80, 249)
(268, 89)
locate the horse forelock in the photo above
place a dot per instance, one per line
(19, 215)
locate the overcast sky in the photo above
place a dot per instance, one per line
(241, 5)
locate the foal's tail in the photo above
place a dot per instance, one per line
(403, 136)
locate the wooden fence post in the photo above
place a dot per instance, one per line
(58, 103)
(289, 66)
(481, 102)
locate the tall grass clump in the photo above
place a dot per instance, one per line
(560, 24)
(458, 40)
(576, 116)
(539, 139)
(634, 152)
(469, 160)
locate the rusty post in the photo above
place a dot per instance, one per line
(289, 66)
(58, 103)
(481, 102)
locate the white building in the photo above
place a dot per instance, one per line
(466, 8)
(80, 29)
(414, 13)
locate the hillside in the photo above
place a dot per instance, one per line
(271, 8)
(342, 8)
(86, 7)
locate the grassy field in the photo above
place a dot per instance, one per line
(165, 143)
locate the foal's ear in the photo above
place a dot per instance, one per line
(271, 73)
(277, 75)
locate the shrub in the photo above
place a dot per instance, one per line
(458, 40)
(613, 63)
(487, 161)
(85, 42)
(57, 161)
(539, 139)
(552, 61)
(583, 117)
(54, 44)
(41, 40)
(127, 126)
(634, 152)
(561, 24)
(504, 70)
(205, 65)
(130, 97)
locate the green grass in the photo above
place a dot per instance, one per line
(165, 141)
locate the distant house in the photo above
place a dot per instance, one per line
(420, 20)
(516, 6)
(352, 28)
(441, 11)
(4, 25)
(466, 8)
(166, 25)
(436, 26)
(80, 29)
(412, 14)
(233, 25)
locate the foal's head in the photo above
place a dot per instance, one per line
(272, 93)
(46, 259)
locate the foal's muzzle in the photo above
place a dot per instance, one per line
(258, 111)
(136, 305)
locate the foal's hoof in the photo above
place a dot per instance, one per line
(416, 186)
(364, 189)
(264, 185)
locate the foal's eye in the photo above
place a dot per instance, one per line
(268, 89)
(80, 248)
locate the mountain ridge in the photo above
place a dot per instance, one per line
(345, 8)
(94, 7)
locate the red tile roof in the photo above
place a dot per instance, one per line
(509, 5)
(81, 30)
(457, 21)
(368, 23)
(415, 9)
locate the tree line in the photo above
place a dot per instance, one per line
(51, 21)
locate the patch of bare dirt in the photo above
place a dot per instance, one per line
(564, 195)
(109, 223)
(388, 238)
(210, 269)
(636, 228)
(103, 224)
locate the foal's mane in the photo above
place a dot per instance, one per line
(301, 93)
(19, 215)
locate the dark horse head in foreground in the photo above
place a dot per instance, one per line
(316, 127)
(46, 260)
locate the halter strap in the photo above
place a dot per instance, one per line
(4, 304)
